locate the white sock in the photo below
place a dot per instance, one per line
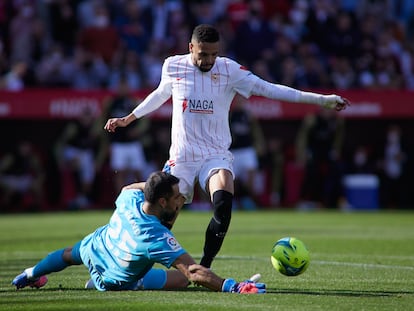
(29, 272)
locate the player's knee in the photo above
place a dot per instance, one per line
(66, 254)
(154, 279)
(222, 205)
(175, 279)
(72, 254)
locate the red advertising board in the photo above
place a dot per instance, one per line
(65, 104)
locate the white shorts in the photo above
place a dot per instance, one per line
(191, 172)
(127, 156)
(245, 159)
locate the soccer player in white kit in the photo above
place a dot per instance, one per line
(202, 86)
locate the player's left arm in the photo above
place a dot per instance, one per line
(246, 83)
(285, 93)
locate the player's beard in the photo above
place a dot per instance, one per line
(203, 69)
(206, 69)
(167, 216)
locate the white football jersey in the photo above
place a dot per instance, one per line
(201, 104)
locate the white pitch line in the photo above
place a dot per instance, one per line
(325, 262)
(362, 265)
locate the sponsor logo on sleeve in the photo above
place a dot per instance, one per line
(173, 243)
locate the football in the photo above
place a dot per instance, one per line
(290, 256)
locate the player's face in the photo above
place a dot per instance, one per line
(203, 54)
(173, 206)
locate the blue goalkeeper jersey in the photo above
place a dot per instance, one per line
(125, 249)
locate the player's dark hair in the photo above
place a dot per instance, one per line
(205, 33)
(159, 185)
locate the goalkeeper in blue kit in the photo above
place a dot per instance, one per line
(120, 255)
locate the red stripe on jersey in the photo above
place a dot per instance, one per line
(211, 82)
(204, 139)
(176, 72)
(185, 73)
(198, 126)
(209, 129)
(202, 82)
(195, 81)
(219, 82)
(226, 63)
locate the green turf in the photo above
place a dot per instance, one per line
(359, 261)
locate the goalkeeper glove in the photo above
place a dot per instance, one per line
(245, 287)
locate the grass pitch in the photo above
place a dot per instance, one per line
(359, 261)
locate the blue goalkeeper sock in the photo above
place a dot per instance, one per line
(154, 279)
(51, 263)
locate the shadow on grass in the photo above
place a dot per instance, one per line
(340, 292)
(317, 292)
(80, 289)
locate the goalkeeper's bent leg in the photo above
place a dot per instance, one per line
(55, 262)
(218, 226)
(154, 279)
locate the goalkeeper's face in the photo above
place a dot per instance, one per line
(204, 54)
(172, 205)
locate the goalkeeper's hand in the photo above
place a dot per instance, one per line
(245, 287)
(335, 102)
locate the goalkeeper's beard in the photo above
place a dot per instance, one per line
(167, 216)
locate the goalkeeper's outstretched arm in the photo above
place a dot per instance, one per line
(203, 276)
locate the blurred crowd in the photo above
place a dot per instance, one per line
(84, 44)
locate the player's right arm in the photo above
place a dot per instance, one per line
(198, 274)
(203, 276)
(152, 102)
(113, 123)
